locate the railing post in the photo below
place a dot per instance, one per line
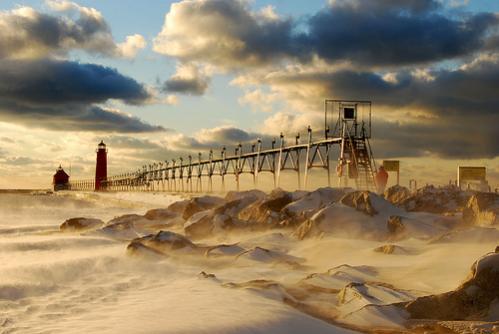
(257, 164)
(273, 162)
(307, 157)
(210, 172)
(223, 171)
(298, 150)
(279, 163)
(199, 184)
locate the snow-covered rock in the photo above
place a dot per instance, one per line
(160, 214)
(436, 200)
(224, 250)
(163, 242)
(199, 204)
(470, 301)
(303, 208)
(482, 209)
(267, 211)
(80, 224)
(259, 254)
(391, 249)
(397, 194)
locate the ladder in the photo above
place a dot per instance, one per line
(358, 152)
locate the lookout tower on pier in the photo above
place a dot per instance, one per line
(351, 121)
(101, 167)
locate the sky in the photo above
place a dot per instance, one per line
(158, 80)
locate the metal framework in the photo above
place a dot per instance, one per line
(187, 175)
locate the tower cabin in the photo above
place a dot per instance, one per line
(60, 180)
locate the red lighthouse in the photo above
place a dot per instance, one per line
(101, 166)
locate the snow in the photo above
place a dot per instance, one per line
(261, 278)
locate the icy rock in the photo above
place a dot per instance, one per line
(395, 225)
(361, 201)
(267, 210)
(397, 194)
(126, 219)
(341, 220)
(179, 206)
(120, 230)
(303, 208)
(260, 254)
(224, 250)
(160, 214)
(163, 242)
(199, 204)
(482, 209)
(81, 224)
(390, 249)
(248, 195)
(199, 225)
(131, 226)
(470, 301)
(436, 200)
(223, 217)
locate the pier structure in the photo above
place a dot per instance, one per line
(350, 122)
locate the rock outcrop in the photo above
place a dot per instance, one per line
(397, 194)
(267, 211)
(80, 224)
(482, 209)
(436, 200)
(361, 201)
(199, 204)
(162, 242)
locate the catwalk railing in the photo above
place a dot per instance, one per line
(187, 175)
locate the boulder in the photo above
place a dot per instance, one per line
(390, 249)
(199, 204)
(436, 200)
(224, 250)
(361, 201)
(298, 211)
(397, 194)
(163, 242)
(160, 214)
(395, 225)
(199, 225)
(221, 218)
(81, 224)
(482, 209)
(470, 301)
(267, 210)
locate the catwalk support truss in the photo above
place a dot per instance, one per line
(352, 130)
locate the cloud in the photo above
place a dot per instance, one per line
(55, 82)
(226, 33)
(446, 112)
(214, 138)
(27, 33)
(64, 95)
(188, 79)
(390, 33)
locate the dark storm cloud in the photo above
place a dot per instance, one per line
(371, 33)
(389, 33)
(61, 95)
(190, 86)
(56, 82)
(460, 108)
